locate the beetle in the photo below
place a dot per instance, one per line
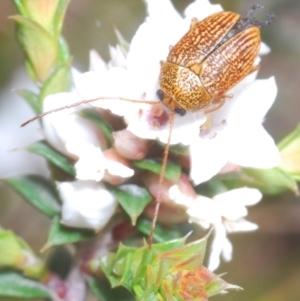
(210, 59)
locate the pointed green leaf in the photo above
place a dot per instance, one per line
(32, 99)
(40, 47)
(269, 181)
(37, 191)
(15, 285)
(96, 118)
(59, 81)
(21, 8)
(132, 198)
(59, 16)
(43, 149)
(63, 51)
(61, 235)
(42, 12)
(172, 172)
(30, 70)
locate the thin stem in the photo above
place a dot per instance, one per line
(161, 179)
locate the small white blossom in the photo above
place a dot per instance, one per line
(224, 212)
(92, 164)
(86, 204)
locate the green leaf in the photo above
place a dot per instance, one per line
(172, 172)
(269, 181)
(61, 235)
(160, 234)
(97, 119)
(40, 47)
(102, 290)
(32, 99)
(59, 16)
(178, 149)
(37, 191)
(43, 149)
(63, 51)
(132, 198)
(59, 81)
(15, 285)
(21, 8)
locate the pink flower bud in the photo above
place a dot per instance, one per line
(130, 146)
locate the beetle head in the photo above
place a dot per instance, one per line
(169, 103)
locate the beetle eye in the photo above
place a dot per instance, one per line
(160, 95)
(180, 111)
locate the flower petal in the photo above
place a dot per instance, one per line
(208, 156)
(232, 203)
(86, 204)
(97, 63)
(185, 129)
(201, 9)
(256, 148)
(250, 102)
(91, 163)
(241, 225)
(63, 126)
(217, 246)
(157, 11)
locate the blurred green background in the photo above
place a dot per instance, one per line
(265, 263)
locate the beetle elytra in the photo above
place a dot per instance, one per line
(210, 59)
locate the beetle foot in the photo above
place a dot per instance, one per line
(194, 22)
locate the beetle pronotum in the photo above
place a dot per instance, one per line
(211, 58)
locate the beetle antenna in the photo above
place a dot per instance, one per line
(75, 104)
(161, 179)
(250, 19)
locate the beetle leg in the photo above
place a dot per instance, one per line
(194, 22)
(218, 102)
(253, 69)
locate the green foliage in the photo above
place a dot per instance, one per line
(172, 172)
(61, 235)
(167, 271)
(15, 285)
(132, 198)
(37, 191)
(43, 149)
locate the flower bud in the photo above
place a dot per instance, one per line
(130, 146)
(117, 168)
(169, 212)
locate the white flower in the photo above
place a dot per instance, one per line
(92, 163)
(234, 133)
(86, 204)
(224, 212)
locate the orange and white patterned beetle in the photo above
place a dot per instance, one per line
(211, 58)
